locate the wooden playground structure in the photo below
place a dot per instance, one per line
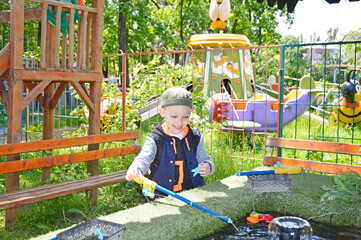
(68, 55)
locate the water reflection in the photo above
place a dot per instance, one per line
(260, 231)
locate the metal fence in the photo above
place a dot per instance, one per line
(240, 76)
(151, 73)
(330, 65)
(272, 67)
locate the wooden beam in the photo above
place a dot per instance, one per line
(94, 128)
(13, 136)
(48, 126)
(79, 47)
(4, 59)
(97, 36)
(65, 143)
(49, 58)
(4, 95)
(49, 161)
(319, 146)
(16, 34)
(30, 14)
(57, 76)
(48, 187)
(66, 5)
(30, 195)
(71, 39)
(15, 95)
(36, 91)
(57, 36)
(324, 167)
(88, 32)
(83, 43)
(43, 32)
(82, 84)
(64, 51)
(5, 76)
(84, 96)
(57, 95)
(30, 86)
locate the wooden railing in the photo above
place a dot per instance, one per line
(71, 51)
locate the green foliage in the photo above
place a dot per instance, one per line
(153, 23)
(169, 24)
(347, 187)
(266, 61)
(4, 5)
(262, 21)
(86, 215)
(68, 172)
(294, 60)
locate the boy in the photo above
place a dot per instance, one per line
(174, 149)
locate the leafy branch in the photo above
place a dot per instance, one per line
(347, 188)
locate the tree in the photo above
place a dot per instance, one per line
(332, 34)
(144, 24)
(314, 37)
(294, 60)
(257, 20)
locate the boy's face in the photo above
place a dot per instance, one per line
(176, 117)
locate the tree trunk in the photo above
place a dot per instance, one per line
(122, 36)
(234, 26)
(181, 21)
(176, 57)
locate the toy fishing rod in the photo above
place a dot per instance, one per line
(148, 190)
(277, 170)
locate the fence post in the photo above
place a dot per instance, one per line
(280, 97)
(124, 89)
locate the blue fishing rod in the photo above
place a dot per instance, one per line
(189, 202)
(148, 190)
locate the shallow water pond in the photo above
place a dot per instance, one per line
(260, 231)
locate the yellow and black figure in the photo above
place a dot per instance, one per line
(219, 11)
(347, 110)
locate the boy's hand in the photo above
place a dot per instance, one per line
(132, 172)
(205, 169)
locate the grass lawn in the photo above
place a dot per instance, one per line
(169, 218)
(230, 152)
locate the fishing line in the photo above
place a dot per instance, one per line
(238, 230)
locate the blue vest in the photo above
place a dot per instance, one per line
(164, 175)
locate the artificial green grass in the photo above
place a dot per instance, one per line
(169, 218)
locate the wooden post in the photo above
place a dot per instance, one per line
(48, 124)
(50, 44)
(88, 30)
(94, 128)
(97, 37)
(95, 87)
(71, 39)
(57, 37)
(15, 97)
(14, 136)
(83, 43)
(64, 51)
(44, 7)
